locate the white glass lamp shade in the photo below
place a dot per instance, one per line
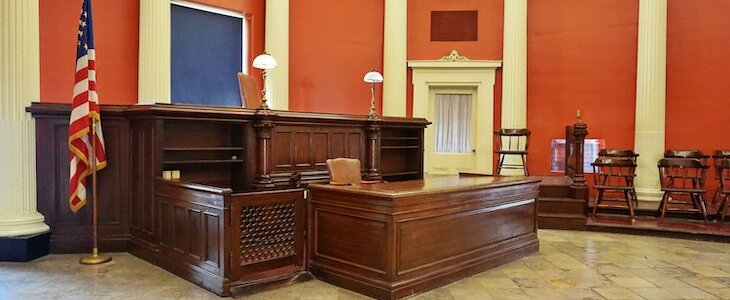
(373, 77)
(264, 61)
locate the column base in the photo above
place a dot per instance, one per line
(649, 194)
(25, 248)
(21, 225)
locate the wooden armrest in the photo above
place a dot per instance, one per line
(369, 181)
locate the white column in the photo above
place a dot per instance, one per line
(651, 81)
(19, 85)
(395, 58)
(514, 71)
(277, 45)
(154, 51)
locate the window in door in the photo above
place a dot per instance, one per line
(453, 123)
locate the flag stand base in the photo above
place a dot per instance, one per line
(95, 259)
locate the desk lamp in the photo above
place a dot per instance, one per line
(264, 62)
(372, 78)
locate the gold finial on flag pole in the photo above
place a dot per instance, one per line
(577, 114)
(94, 258)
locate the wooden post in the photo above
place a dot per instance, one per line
(263, 126)
(569, 161)
(578, 136)
(580, 130)
(373, 134)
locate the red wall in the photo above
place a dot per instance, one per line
(490, 27)
(332, 44)
(698, 68)
(116, 26)
(488, 44)
(581, 55)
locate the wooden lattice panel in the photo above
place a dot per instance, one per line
(267, 232)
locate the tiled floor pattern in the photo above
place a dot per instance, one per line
(570, 265)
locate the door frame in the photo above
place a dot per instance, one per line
(430, 135)
(468, 74)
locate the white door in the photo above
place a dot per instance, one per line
(451, 139)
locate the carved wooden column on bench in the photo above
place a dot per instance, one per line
(575, 141)
(263, 126)
(373, 134)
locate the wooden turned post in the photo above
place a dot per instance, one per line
(263, 126)
(569, 161)
(580, 130)
(373, 134)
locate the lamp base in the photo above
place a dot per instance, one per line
(95, 259)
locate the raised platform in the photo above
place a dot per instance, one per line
(559, 206)
(676, 224)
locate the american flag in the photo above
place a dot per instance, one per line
(85, 110)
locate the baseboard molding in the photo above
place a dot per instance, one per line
(25, 248)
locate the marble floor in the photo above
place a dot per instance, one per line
(570, 265)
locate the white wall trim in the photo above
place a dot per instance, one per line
(473, 74)
(208, 8)
(395, 54)
(277, 45)
(245, 45)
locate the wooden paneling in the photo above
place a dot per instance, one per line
(145, 165)
(302, 149)
(464, 232)
(195, 227)
(191, 230)
(282, 150)
(320, 149)
(71, 232)
(298, 148)
(392, 240)
(363, 247)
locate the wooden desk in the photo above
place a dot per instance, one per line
(236, 217)
(392, 240)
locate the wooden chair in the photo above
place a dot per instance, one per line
(619, 153)
(622, 153)
(683, 181)
(614, 175)
(345, 171)
(249, 92)
(723, 170)
(512, 142)
(719, 155)
(697, 154)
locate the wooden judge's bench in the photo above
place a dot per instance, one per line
(237, 215)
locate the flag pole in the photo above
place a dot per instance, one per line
(94, 258)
